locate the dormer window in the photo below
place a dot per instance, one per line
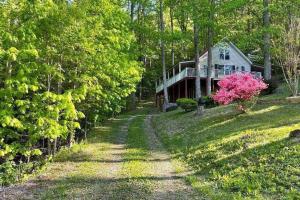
(224, 54)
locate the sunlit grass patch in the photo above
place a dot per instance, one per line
(137, 168)
(238, 156)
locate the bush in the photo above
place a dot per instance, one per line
(240, 88)
(273, 84)
(187, 104)
(209, 102)
(171, 107)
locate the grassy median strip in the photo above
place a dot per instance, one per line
(136, 168)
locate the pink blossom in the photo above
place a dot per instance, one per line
(238, 87)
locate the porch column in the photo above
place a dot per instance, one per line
(186, 88)
(173, 96)
(179, 90)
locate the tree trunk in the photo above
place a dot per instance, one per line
(49, 147)
(172, 31)
(197, 61)
(267, 38)
(163, 59)
(71, 139)
(132, 99)
(210, 45)
(54, 146)
(132, 7)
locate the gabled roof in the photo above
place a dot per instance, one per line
(234, 47)
(240, 52)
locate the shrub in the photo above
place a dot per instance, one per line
(240, 88)
(273, 84)
(171, 107)
(187, 104)
(209, 102)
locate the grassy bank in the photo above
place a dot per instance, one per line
(237, 156)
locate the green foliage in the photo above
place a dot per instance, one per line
(61, 65)
(209, 102)
(187, 104)
(273, 84)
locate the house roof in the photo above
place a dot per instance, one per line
(234, 47)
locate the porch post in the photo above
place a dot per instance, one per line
(179, 90)
(173, 96)
(186, 89)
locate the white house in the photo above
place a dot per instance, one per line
(226, 59)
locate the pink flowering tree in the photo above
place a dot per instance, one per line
(242, 88)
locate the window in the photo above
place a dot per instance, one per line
(224, 54)
(243, 68)
(227, 55)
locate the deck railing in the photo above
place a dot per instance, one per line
(191, 73)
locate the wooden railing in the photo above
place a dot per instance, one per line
(217, 74)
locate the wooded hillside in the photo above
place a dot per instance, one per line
(63, 66)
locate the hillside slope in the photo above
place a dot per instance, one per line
(237, 156)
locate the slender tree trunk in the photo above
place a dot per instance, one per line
(172, 31)
(197, 61)
(132, 7)
(9, 69)
(54, 146)
(49, 147)
(163, 59)
(85, 127)
(71, 139)
(267, 41)
(132, 98)
(210, 45)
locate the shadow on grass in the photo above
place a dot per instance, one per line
(102, 188)
(221, 127)
(271, 168)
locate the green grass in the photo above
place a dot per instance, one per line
(75, 172)
(136, 167)
(246, 156)
(83, 172)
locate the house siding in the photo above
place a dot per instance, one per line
(236, 58)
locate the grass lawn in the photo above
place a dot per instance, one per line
(247, 156)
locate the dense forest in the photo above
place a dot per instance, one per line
(67, 65)
(63, 66)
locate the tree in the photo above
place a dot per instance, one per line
(267, 40)
(289, 55)
(197, 61)
(62, 65)
(163, 57)
(210, 46)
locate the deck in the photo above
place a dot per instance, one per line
(186, 70)
(187, 73)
